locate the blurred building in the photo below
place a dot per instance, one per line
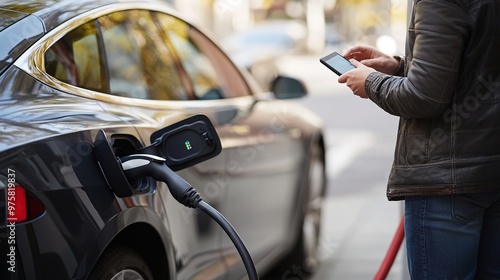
(379, 23)
(224, 17)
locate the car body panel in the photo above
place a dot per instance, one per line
(32, 110)
(80, 211)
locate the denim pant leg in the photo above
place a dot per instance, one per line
(489, 249)
(443, 236)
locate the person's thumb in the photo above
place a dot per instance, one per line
(343, 78)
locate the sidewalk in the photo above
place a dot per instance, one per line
(359, 222)
(356, 235)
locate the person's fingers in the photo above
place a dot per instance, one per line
(356, 49)
(355, 52)
(360, 53)
(355, 62)
(349, 51)
(369, 62)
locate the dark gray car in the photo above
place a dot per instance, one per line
(70, 69)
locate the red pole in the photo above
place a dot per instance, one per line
(392, 252)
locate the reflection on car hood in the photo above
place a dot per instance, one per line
(23, 123)
(30, 111)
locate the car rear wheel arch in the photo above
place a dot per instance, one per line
(143, 240)
(120, 262)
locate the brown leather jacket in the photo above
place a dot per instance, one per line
(448, 100)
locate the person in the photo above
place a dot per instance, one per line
(446, 93)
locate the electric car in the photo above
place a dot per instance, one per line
(73, 70)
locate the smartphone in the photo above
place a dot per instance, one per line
(337, 63)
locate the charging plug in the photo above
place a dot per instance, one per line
(144, 165)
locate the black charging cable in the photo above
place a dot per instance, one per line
(145, 165)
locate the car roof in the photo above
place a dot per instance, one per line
(51, 12)
(23, 22)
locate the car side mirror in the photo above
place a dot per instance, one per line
(288, 88)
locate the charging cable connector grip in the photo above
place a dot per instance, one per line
(144, 165)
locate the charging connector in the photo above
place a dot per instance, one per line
(143, 165)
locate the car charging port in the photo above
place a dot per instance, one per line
(111, 168)
(124, 145)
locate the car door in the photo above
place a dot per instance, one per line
(263, 150)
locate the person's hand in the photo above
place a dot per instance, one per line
(374, 58)
(355, 78)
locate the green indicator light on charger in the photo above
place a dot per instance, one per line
(188, 145)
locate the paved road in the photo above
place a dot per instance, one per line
(359, 223)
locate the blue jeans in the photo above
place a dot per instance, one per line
(453, 236)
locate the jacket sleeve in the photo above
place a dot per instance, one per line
(432, 66)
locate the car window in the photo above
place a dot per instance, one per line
(76, 60)
(140, 65)
(211, 73)
(133, 58)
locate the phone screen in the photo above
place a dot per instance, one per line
(337, 63)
